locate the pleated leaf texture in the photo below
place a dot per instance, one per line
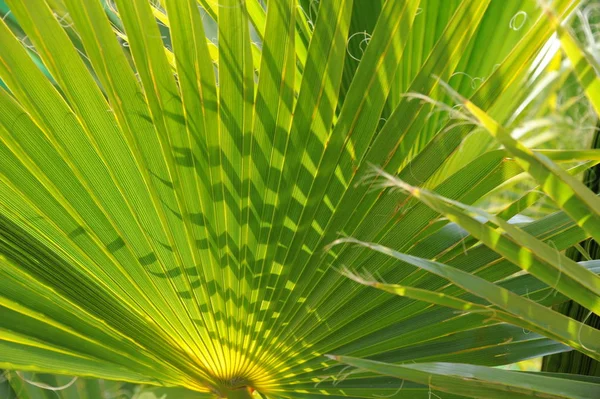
(172, 175)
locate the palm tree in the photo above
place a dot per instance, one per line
(203, 196)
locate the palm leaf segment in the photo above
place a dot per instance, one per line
(166, 198)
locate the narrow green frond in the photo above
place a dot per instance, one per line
(477, 381)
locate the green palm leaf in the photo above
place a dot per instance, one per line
(586, 69)
(165, 203)
(482, 382)
(19, 385)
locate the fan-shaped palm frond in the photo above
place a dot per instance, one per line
(172, 173)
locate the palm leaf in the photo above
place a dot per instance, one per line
(19, 385)
(165, 204)
(586, 69)
(482, 382)
(575, 362)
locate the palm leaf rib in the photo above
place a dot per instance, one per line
(173, 174)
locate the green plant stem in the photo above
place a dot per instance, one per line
(241, 393)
